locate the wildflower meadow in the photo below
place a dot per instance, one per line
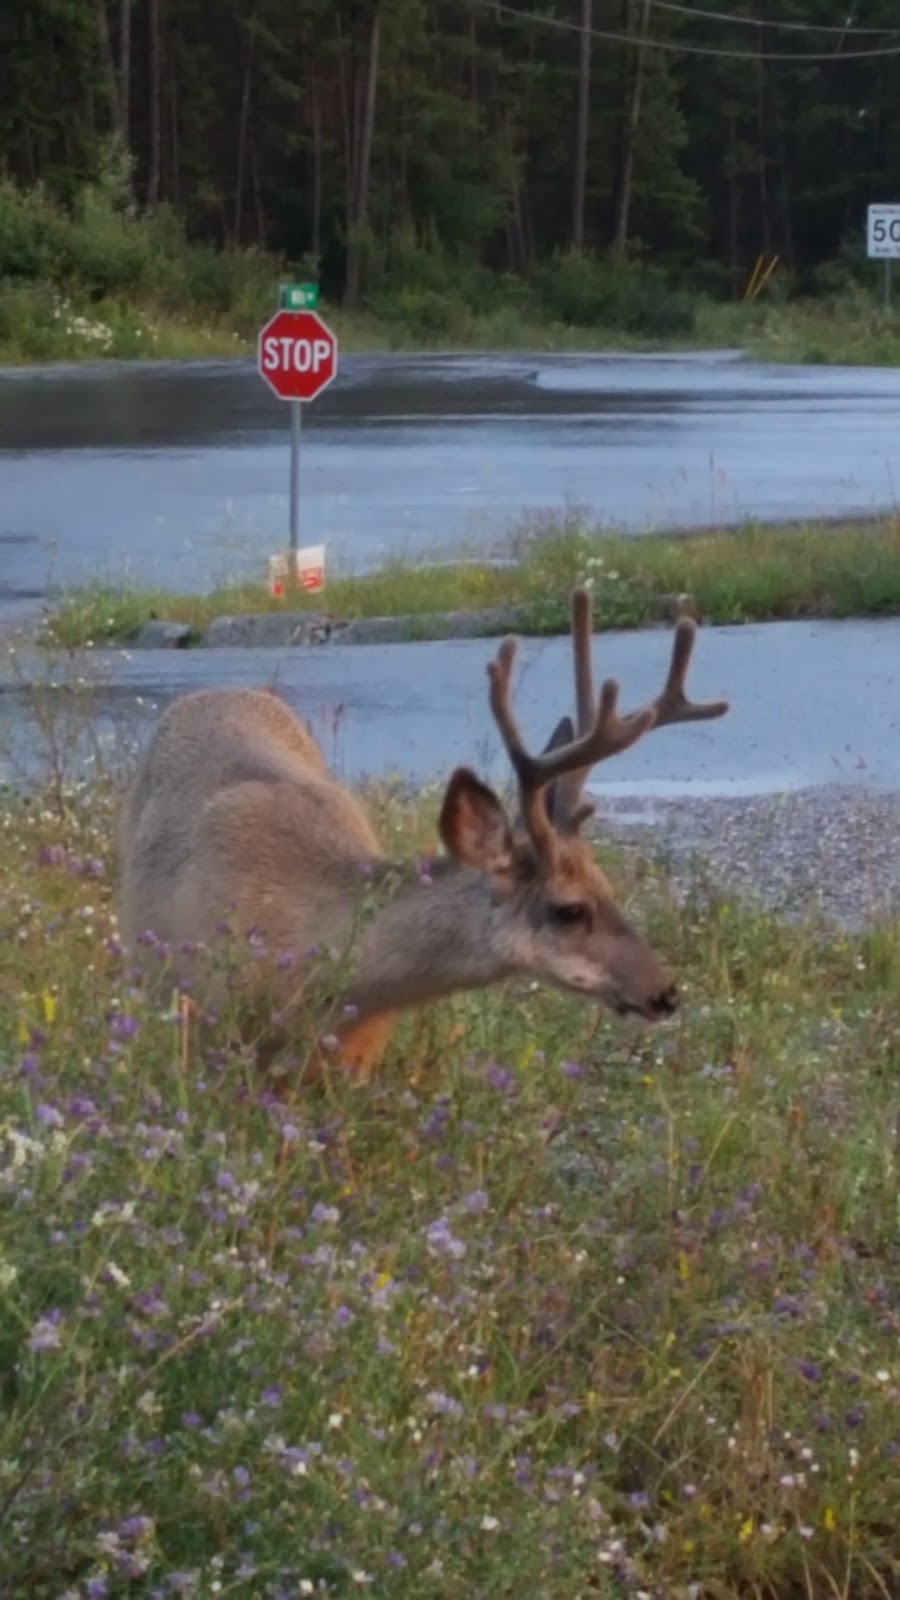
(554, 1307)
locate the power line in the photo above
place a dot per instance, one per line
(849, 31)
(498, 9)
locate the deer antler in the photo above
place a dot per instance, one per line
(609, 735)
(670, 706)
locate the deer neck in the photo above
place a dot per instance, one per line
(438, 934)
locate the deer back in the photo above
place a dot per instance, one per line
(232, 816)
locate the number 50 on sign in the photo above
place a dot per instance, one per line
(883, 232)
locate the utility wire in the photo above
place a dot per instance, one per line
(643, 42)
(850, 31)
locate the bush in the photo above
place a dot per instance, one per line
(426, 313)
(30, 234)
(587, 291)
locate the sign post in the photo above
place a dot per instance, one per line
(883, 240)
(296, 427)
(297, 358)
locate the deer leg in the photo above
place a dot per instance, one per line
(362, 1044)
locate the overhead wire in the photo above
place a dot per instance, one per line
(642, 41)
(849, 30)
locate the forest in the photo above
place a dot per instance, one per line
(418, 149)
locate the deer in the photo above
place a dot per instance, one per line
(233, 816)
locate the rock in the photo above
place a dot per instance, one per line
(278, 629)
(283, 629)
(466, 624)
(161, 635)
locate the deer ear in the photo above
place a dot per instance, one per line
(473, 824)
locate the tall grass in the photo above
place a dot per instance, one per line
(552, 1308)
(754, 573)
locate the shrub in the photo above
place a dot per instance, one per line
(30, 234)
(581, 289)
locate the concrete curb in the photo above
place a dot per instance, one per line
(282, 630)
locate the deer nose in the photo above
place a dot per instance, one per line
(666, 1003)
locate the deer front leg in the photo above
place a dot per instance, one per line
(362, 1044)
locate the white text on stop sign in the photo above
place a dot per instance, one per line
(287, 354)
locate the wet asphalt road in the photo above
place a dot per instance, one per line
(811, 703)
(176, 474)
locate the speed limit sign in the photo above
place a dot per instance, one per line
(883, 233)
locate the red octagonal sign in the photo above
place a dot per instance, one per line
(297, 355)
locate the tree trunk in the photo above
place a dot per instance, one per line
(257, 193)
(784, 189)
(626, 171)
(762, 163)
(362, 168)
(155, 154)
(242, 143)
(174, 190)
(316, 220)
(733, 263)
(517, 242)
(581, 136)
(109, 66)
(125, 73)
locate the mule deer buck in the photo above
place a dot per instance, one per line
(233, 815)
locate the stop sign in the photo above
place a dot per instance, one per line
(297, 355)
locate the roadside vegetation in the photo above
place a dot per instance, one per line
(754, 573)
(97, 279)
(553, 1307)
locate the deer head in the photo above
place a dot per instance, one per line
(552, 909)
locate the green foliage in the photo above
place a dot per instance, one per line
(30, 230)
(244, 160)
(747, 574)
(103, 279)
(256, 130)
(588, 291)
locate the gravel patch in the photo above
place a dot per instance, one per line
(831, 852)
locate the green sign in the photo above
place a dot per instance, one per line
(298, 296)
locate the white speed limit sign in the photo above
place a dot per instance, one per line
(883, 233)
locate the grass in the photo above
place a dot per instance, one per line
(553, 1308)
(752, 574)
(853, 329)
(42, 323)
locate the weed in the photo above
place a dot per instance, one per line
(752, 573)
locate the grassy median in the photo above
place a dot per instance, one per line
(753, 573)
(552, 1308)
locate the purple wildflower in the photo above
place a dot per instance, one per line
(442, 1241)
(499, 1078)
(571, 1069)
(46, 1333)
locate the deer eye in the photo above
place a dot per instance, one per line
(569, 915)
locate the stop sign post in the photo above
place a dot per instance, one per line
(297, 357)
